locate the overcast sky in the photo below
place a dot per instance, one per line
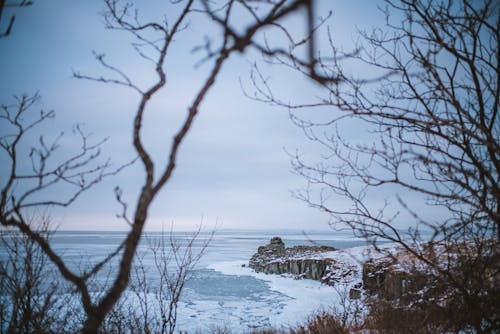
(232, 170)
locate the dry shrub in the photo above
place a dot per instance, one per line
(321, 323)
(324, 323)
(387, 318)
(462, 297)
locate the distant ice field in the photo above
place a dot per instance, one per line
(220, 291)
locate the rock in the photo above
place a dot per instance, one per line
(261, 249)
(277, 244)
(394, 283)
(383, 276)
(354, 293)
(276, 240)
(300, 261)
(387, 278)
(374, 273)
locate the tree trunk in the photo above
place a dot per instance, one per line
(91, 325)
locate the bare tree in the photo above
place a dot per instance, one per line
(26, 190)
(156, 289)
(34, 299)
(431, 112)
(12, 19)
(29, 302)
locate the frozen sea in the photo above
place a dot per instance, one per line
(220, 291)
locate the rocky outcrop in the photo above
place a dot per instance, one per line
(383, 276)
(374, 274)
(301, 268)
(392, 278)
(300, 261)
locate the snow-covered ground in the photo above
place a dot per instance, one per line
(298, 297)
(287, 303)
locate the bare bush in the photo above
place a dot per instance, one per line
(32, 298)
(323, 323)
(152, 300)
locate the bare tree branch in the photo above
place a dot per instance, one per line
(431, 116)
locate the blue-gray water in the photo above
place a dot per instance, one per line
(211, 297)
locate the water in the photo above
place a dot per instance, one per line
(220, 291)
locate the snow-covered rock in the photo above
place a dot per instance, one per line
(313, 262)
(361, 268)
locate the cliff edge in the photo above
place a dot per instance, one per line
(375, 275)
(313, 262)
